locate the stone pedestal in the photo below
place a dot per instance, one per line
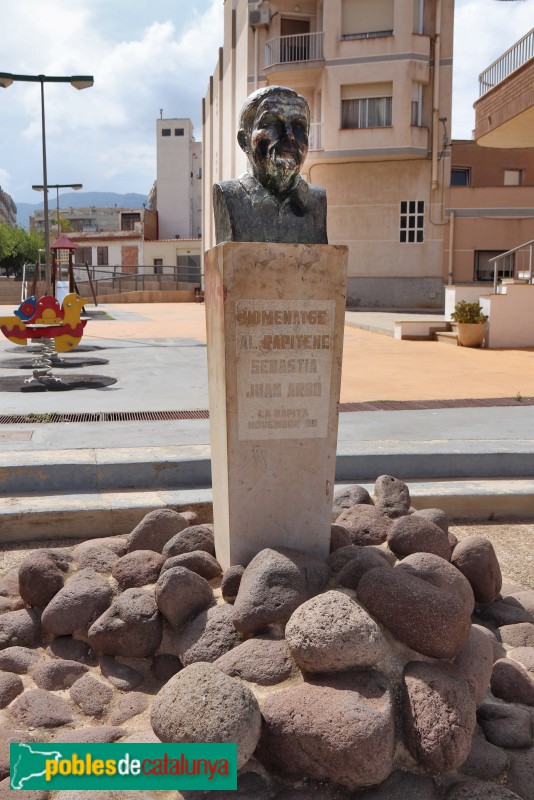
(275, 317)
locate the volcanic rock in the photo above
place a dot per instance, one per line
(18, 659)
(37, 708)
(518, 635)
(485, 761)
(435, 515)
(181, 594)
(128, 706)
(20, 628)
(91, 695)
(195, 537)
(332, 633)
(202, 704)
(230, 583)
(365, 524)
(313, 730)
(367, 558)
(57, 673)
(475, 557)
(99, 557)
(83, 598)
(138, 568)
(274, 584)
(72, 650)
(155, 530)
(120, 675)
(438, 715)
(40, 578)
(414, 534)
(430, 621)
(164, 666)
(392, 496)
(131, 627)
(440, 573)
(479, 790)
(204, 564)
(10, 687)
(208, 636)
(475, 662)
(262, 660)
(511, 682)
(339, 537)
(350, 496)
(506, 725)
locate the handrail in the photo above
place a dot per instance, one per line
(496, 260)
(290, 49)
(106, 280)
(517, 55)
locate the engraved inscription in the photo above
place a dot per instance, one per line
(284, 363)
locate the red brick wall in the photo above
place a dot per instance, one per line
(129, 258)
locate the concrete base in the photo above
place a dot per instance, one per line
(275, 315)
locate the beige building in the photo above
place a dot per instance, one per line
(179, 180)
(377, 75)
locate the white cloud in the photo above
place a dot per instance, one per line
(483, 30)
(97, 135)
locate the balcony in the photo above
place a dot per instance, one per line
(294, 49)
(521, 52)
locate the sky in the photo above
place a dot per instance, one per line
(147, 56)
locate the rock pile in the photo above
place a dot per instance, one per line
(399, 667)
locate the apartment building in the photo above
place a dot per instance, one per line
(8, 209)
(179, 179)
(377, 75)
(91, 219)
(491, 209)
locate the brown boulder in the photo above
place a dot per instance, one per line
(195, 537)
(392, 496)
(138, 568)
(131, 627)
(199, 561)
(262, 660)
(438, 715)
(208, 636)
(475, 662)
(475, 557)
(367, 558)
(350, 496)
(40, 578)
(506, 725)
(230, 583)
(511, 682)
(57, 673)
(37, 708)
(155, 530)
(429, 620)
(181, 594)
(20, 628)
(83, 598)
(274, 584)
(415, 534)
(441, 574)
(365, 524)
(313, 731)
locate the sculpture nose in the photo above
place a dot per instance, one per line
(288, 131)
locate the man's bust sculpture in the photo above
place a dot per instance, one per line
(271, 203)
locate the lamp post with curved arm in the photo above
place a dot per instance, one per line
(79, 82)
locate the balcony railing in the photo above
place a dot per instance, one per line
(316, 136)
(521, 52)
(293, 49)
(516, 263)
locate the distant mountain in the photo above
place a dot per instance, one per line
(80, 200)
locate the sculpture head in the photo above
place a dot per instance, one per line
(273, 132)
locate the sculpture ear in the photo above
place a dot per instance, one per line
(242, 140)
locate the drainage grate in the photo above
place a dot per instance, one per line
(162, 416)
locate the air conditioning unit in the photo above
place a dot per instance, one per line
(259, 17)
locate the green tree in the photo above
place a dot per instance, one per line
(18, 247)
(65, 225)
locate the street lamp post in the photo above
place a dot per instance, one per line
(79, 82)
(57, 187)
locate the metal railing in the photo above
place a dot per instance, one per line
(113, 280)
(522, 263)
(521, 52)
(316, 136)
(290, 49)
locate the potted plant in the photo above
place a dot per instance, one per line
(471, 323)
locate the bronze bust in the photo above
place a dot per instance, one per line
(272, 202)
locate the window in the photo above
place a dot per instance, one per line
(83, 255)
(158, 266)
(460, 176)
(366, 105)
(178, 131)
(102, 256)
(484, 269)
(364, 19)
(512, 177)
(128, 221)
(417, 104)
(165, 131)
(412, 221)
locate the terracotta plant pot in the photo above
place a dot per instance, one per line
(471, 334)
